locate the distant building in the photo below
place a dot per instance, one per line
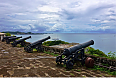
(2, 35)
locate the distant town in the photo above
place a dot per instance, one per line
(21, 33)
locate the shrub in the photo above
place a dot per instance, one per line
(96, 52)
(50, 43)
(8, 34)
(112, 55)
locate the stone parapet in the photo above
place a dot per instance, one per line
(96, 59)
(57, 50)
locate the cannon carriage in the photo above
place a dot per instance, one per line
(73, 54)
(12, 39)
(36, 45)
(21, 41)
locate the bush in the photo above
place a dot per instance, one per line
(112, 55)
(8, 34)
(50, 43)
(96, 52)
(99, 53)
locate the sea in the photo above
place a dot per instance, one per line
(103, 42)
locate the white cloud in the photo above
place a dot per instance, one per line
(58, 15)
(24, 27)
(105, 21)
(49, 9)
(47, 16)
(98, 28)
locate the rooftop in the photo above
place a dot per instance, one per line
(2, 33)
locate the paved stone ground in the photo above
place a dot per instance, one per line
(15, 62)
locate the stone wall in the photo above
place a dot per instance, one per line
(96, 59)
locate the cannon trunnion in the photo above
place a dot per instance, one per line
(21, 41)
(73, 54)
(36, 45)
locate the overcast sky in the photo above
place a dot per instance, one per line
(62, 16)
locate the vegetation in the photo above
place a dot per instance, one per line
(103, 69)
(51, 53)
(112, 55)
(71, 74)
(18, 32)
(99, 53)
(57, 42)
(8, 34)
(78, 70)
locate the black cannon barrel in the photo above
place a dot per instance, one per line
(22, 39)
(9, 36)
(5, 38)
(14, 38)
(73, 49)
(40, 41)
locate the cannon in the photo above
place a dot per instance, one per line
(12, 39)
(5, 38)
(36, 45)
(21, 41)
(73, 54)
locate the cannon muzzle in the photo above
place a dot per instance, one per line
(42, 40)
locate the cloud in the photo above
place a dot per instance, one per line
(58, 16)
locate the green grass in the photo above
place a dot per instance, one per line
(41, 54)
(34, 49)
(103, 69)
(71, 74)
(106, 64)
(84, 76)
(51, 53)
(78, 70)
(99, 53)
(18, 45)
(56, 42)
(64, 65)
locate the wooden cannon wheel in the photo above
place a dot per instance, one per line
(89, 62)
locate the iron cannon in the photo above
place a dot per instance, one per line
(5, 38)
(73, 54)
(36, 45)
(12, 39)
(21, 41)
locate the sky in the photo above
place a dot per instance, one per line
(58, 16)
